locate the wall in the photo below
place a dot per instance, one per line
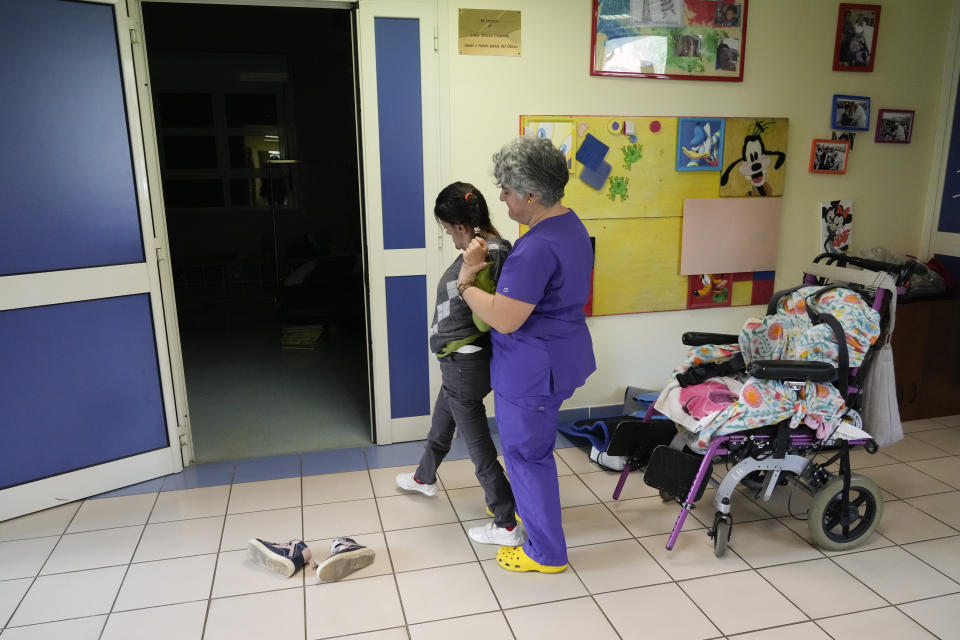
(788, 61)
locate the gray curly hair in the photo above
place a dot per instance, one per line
(532, 165)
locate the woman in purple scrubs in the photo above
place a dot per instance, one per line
(542, 349)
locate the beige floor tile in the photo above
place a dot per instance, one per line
(802, 631)
(861, 459)
(768, 542)
(179, 538)
(942, 554)
(944, 439)
(692, 556)
(568, 620)
(949, 421)
(279, 526)
(483, 551)
(426, 547)
(784, 501)
(578, 459)
(93, 549)
(180, 621)
(878, 624)
(820, 588)
(77, 594)
(469, 503)
(925, 424)
(904, 523)
(945, 507)
(445, 592)
(79, 629)
(204, 502)
(352, 606)
(943, 469)
(657, 612)
(24, 558)
(591, 524)
(612, 566)
(458, 474)
(515, 589)
(381, 562)
(938, 615)
(385, 480)
(742, 508)
(105, 513)
(904, 481)
(11, 591)
(277, 615)
(574, 493)
(912, 448)
(337, 518)
(603, 483)
(802, 529)
(237, 574)
(261, 496)
(151, 584)
(896, 575)
(485, 626)
(650, 516)
(49, 522)
(337, 487)
(404, 512)
(397, 633)
(739, 602)
(563, 469)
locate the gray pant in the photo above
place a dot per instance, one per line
(466, 381)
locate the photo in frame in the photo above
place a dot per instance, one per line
(829, 156)
(855, 48)
(669, 39)
(850, 113)
(894, 125)
(700, 144)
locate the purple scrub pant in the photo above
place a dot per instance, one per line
(528, 434)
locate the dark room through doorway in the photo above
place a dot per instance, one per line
(256, 128)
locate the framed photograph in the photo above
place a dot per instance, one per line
(829, 156)
(856, 45)
(669, 39)
(851, 113)
(700, 144)
(894, 125)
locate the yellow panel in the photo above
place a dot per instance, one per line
(636, 265)
(742, 293)
(653, 186)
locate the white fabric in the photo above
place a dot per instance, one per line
(880, 411)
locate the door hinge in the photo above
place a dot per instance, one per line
(133, 36)
(436, 44)
(159, 253)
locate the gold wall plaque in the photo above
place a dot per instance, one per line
(489, 32)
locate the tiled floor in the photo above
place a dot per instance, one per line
(167, 559)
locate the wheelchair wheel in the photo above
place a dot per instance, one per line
(722, 528)
(836, 529)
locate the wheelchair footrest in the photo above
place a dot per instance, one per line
(674, 472)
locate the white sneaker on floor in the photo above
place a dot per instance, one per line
(406, 482)
(490, 533)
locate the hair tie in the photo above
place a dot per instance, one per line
(467, 195)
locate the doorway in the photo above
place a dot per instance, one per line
(256, 131)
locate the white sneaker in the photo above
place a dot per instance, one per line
(490, 533)
(406, 482)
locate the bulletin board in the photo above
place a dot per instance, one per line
(630, 178)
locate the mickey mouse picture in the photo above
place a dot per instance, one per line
(836, 222)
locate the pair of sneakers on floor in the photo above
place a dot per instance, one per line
(489, 533)
(286, 558)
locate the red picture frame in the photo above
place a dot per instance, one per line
(829, 156)
(855, 48)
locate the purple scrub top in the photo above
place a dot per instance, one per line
(552, 353)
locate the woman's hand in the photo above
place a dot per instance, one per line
(475, 253)
(468, 272)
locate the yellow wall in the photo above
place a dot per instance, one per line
(788, 61)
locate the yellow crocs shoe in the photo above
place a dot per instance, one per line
(515, 515)
(516, 559)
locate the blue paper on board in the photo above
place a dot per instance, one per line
(591, 152)
(596, 177)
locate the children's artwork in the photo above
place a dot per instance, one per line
(894, 125)
(829, 156)
(836, 225)
(700, 144)
(850, 112)
(754, 152)
(687, 39)
(709, 290)
(560, 132)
